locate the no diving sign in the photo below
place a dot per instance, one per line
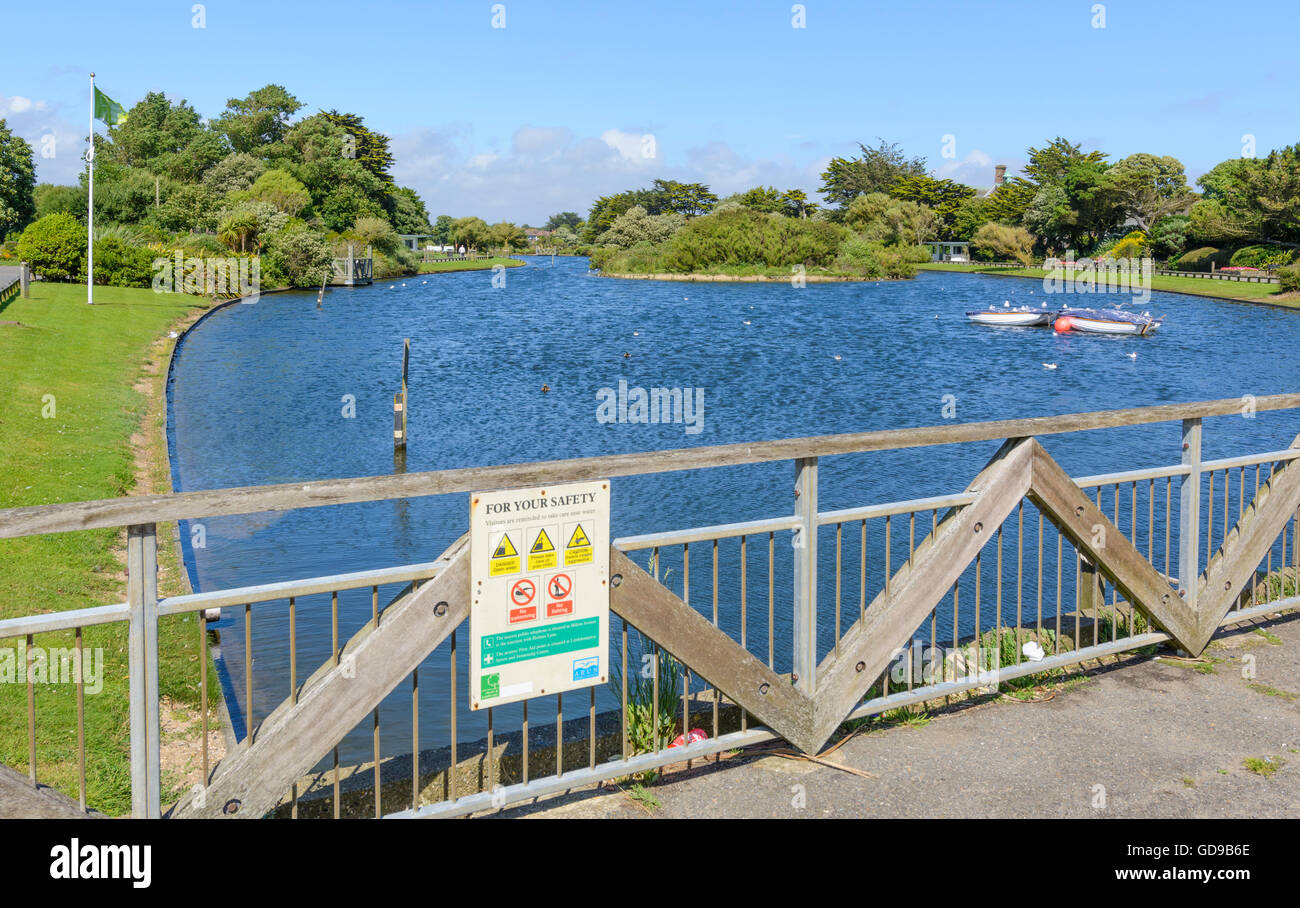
(539, 614)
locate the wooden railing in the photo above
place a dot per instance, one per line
(847, 650)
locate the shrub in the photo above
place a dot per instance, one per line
(122, 264)
(861, 257)
(1201, 259)
(744, 237)
(1013, 242)
(1262, 256)
(298, 256)
(55, 247)
(1132, 246)
(1289, 278)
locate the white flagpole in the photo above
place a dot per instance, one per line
(90, 206)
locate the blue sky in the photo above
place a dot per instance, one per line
(553, 109)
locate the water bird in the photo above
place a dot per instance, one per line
(837, 357)
(546, 389)
(627, 355)
(636, 333)
(1132, 355)
(1049, 365)
(746, 321)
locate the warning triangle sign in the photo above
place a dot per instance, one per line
(505, 548)
(578, 539)
(542, 544)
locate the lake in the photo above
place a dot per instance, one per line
(282, 391)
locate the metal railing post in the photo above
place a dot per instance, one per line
(805, 574)
(1189, 513)
(142, 597)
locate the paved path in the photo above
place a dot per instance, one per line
(1161, 738)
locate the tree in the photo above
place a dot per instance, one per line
(943, 197)
(795, 204)
(506, 235)
(876, 170)
(233, 173)
(55, 247)
(635, 226)
(766, 199)
(17, 182)
(442, 229)
(570, 219)
(1015, 242)
(368, 148)
(166, 139)
(280, 189)
(689, 199)
(258, 119)
(408, 212)
(67, 199)
(472, 233)
(299, 256)
(1149, 188)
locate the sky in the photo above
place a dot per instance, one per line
(519, 109)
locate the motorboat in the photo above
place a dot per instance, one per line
(1106, 321)
(1012, 316)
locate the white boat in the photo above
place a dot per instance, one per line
(1106, 321)
(1012, 316)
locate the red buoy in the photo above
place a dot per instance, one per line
(1063, 324)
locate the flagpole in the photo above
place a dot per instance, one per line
(90, 206)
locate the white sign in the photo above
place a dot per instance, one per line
(539, 614)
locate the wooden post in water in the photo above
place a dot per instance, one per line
(399, 401)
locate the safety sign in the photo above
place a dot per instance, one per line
(539, 612)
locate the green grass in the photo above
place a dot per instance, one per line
(89, 359)
(1263, 766)
(471, 265)
(1241, 291)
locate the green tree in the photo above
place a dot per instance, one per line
(472, 233)
(258, 119)
(299, 256)
(943, 197)
(795, 204)
(690, 199)
(1005, 240)
(166, 139)
(234, 173)
(766, 199)
(368, 148)
(51, 198)
(442, 229)
(570, 219)
(506, 235)
(280, 189)
(635, 226)
(1149, 188)
(875, 170)
(408, 212)
(17, 182)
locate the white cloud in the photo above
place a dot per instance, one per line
(57, 145)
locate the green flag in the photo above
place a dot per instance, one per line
(108, 110)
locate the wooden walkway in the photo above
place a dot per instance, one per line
(19, 800)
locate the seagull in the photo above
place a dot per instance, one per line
(1131, 355)
(746, 321)
(837, 357)
(1049, 365)
(636, 333)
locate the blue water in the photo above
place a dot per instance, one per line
(258, 394)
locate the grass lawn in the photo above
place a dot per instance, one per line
(77, 422)
(471, 265)
(1241, 291)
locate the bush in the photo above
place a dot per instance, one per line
(1262, 256)
(122, 264)
(1289, 278)
(55, 247)
(1201, 259)
(299, 257)
(744, 237)
(1132, 246)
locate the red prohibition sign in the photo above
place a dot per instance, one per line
(560, 586)
(523, 592)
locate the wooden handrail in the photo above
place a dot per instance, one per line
(129, 510)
